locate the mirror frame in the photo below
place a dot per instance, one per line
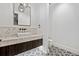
(15, 12)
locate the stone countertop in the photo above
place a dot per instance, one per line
(16, 40)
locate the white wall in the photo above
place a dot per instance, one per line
(35, 14)
(65, 26)
(6, 14)
(44, 24)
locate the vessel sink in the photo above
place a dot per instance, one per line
(23, 34)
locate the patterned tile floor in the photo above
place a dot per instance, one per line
(33, 52)
(53, 51)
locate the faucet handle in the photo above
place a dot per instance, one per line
(20, 29)
(39, 25)
(0, 40)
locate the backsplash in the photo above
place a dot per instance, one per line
(12, 31)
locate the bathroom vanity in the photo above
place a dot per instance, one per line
(19, 45)
(13, 40)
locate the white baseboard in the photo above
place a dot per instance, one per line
(73, 50)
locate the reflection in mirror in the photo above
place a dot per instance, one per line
(15, 18)
(21, 7)
(22, 13)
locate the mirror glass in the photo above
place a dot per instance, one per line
(22, 13)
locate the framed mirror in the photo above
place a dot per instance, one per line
(22, 14)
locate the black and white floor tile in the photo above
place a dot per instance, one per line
(53, 51)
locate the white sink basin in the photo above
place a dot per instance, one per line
(23, 34)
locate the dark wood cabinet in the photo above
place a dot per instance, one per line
(20, 47)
